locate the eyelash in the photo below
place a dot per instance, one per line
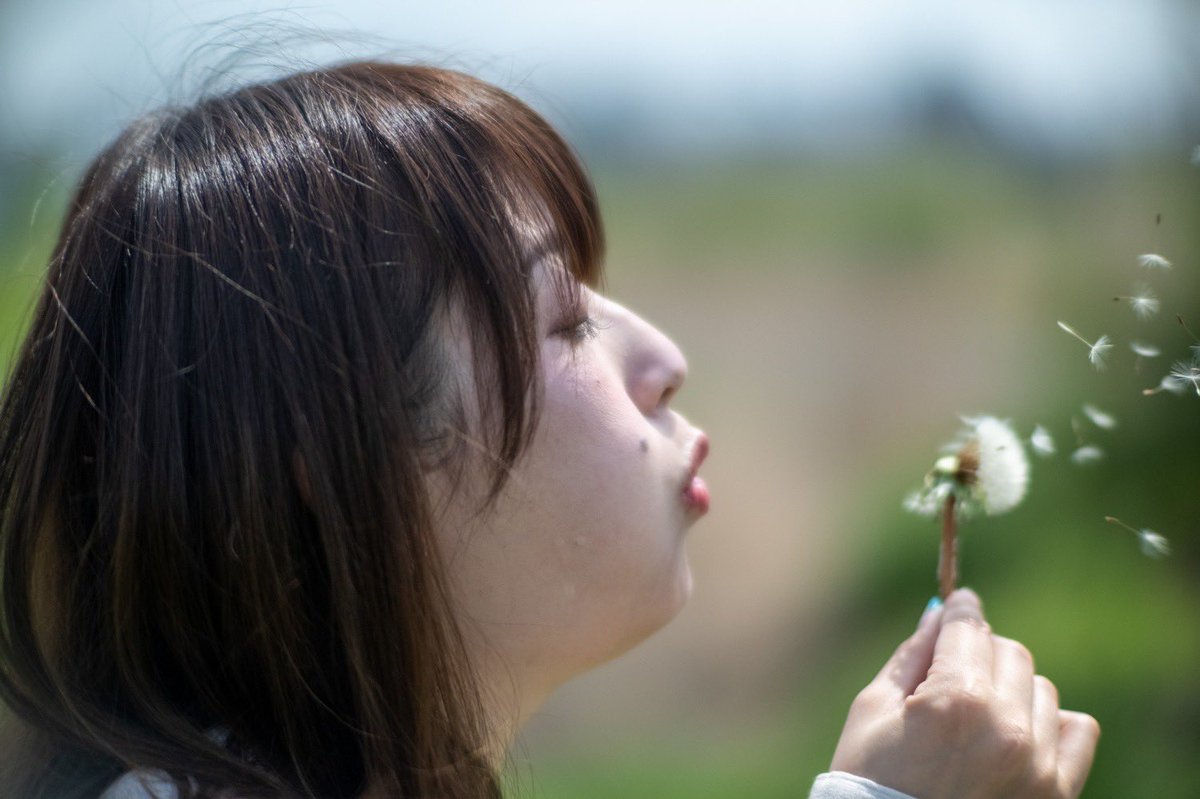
(581, 331)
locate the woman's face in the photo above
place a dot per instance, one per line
(583, 556)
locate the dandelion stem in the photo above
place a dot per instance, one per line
(948, 557)
(1070, 330)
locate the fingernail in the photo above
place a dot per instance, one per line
(930, 608)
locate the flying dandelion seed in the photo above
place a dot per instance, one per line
(1144, 350)
(987, 469)
(1105, 421)
(1097, 351)
(1041, 441)
(1169, 384)
(1152, 260)
(1087, 455)
(1152, 544)
(1186, 374)
(1143, 302)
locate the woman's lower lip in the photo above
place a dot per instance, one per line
(696, 495)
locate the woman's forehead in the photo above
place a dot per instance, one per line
(556, 287)
(547, 250)
(547, 262)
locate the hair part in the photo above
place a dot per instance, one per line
(260, 279)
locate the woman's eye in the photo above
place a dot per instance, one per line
(581, 330)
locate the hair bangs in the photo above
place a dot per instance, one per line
(500, 192)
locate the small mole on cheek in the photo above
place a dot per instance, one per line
(644, 445)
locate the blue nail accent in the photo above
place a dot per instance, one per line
(933, 604)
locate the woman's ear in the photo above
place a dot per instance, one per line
(300, 473)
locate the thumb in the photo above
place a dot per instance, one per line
(909, 664)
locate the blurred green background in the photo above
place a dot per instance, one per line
(935, 294)
(840, 307)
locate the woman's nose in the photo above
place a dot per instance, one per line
(657, 368)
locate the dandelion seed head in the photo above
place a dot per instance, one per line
(947, 465)
(928, 501)
(1002, 471)
(1101, 419)
(1145, 350)
(1152, 260)
(1086, 455)
(1041, 441)
(1152, 544)
(986, 469)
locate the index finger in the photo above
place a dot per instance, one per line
(962, 655)
(908, 666)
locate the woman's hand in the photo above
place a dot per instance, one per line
(958, 713)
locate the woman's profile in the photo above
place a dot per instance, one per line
(326, 460)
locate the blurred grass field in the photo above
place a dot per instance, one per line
(865, 302)
(838, 313)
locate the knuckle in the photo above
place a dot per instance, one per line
(1045, 783)
(1044, 773)
(865, 698)
(1016, 649)
(970, 621)
(1014, 749)
(972, 702)
(956, 706)
(1090, 725)
(1046, 687)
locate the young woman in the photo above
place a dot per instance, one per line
(325, 461)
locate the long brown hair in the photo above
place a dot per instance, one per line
(213, 513)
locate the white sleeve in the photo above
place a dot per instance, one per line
(141, 785)
(840, 785)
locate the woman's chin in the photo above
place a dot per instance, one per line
(666, 605)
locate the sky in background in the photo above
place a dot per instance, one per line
(1064, 75)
